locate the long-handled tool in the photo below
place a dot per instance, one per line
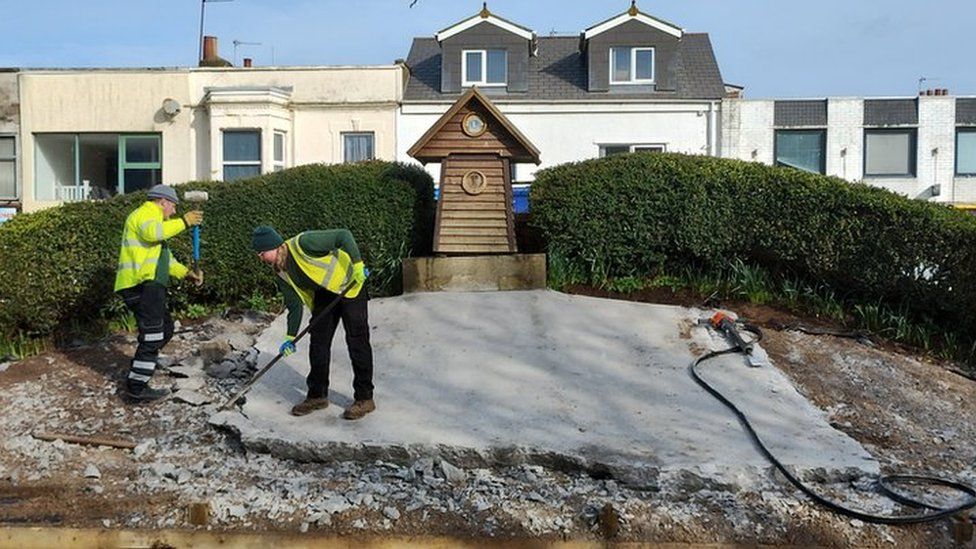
(315, 320)
(198, 198)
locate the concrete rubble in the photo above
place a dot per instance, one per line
(553, 490)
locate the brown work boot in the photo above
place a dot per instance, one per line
(309, 405)
(359, 409)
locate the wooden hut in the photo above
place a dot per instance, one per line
(477, 148)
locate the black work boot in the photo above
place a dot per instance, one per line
(309, 405)
(145, 394)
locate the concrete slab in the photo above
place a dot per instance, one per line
(540, 376)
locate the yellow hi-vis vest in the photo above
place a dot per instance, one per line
(142, 242)
(332, 272)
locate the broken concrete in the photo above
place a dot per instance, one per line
(568, 382)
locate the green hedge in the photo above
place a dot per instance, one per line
(641, 214)
(58, 265)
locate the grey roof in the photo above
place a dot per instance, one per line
(559, 72)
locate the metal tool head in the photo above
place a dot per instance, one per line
(196, 196)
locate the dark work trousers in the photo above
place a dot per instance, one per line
(148, 302)
(355, 322)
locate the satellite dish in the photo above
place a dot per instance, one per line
(171, 107)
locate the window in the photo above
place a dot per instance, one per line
(279, 151)
(484, 67)
(966, 151)
(242, 154)
(631, 65)
(801, 149)
(357, 147)
(140, 163)
(8, 167)
(71, 167)
(889, 152)
(610, 150)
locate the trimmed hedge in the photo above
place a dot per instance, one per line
(634, 215)
(58, 265)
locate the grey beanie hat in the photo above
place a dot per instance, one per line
(164, 191)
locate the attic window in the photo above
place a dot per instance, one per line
(631, 65)
(484, 67)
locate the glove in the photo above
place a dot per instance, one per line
(196, 277)
(193, 217)
(288, 347)
(359, 272)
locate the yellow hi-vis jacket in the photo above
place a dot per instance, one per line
(142, 243)
(332, 272)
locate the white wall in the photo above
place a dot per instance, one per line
(573, 132)
(320, 104)
(748, 133)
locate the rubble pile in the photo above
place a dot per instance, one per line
(180, 460)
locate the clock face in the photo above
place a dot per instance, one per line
(474, 125)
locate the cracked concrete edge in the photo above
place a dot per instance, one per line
(638, 475)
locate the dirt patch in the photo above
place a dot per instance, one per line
(912, 415)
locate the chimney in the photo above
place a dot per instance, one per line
(210, 57)
(209, 48)
(945, 91)
(247, 62)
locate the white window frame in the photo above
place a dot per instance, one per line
(276, 164)
(225, 162)
(484, 69)
(13, 159)
(634, 147)
(343, 145)
(633, 66)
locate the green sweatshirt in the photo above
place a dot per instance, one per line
(316, 244)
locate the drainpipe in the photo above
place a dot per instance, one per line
(712, 129)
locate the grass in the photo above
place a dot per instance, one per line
(22, 346)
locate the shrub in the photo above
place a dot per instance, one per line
(59, 264)
(643, 214)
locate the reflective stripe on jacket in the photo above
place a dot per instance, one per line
(142, 242)
(332, 271)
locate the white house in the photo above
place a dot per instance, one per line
(922, 147)
(630, 83)
(98, 132)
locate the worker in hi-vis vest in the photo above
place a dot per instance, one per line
(145, 268)
(313, 269)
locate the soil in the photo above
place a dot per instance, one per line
(912, 414)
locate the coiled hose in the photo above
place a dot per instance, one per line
(885, 483)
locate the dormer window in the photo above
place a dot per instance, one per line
(631, 65)
(484, 67)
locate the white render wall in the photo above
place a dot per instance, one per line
(571, 132)
(320, 103)
(748, 132)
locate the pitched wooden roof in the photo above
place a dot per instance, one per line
(524, 151)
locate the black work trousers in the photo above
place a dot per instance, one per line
(147, 302)
(355, 322)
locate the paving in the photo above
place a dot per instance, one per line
(542, 377)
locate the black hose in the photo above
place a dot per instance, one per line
(885, 482)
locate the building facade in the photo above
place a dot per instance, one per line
(10, 166)
(97, 133)
(922, 147)
(631, 83)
